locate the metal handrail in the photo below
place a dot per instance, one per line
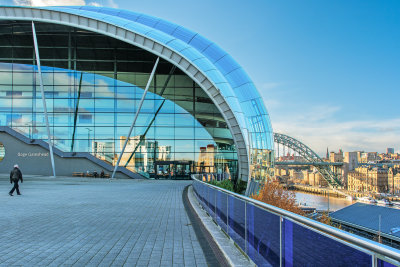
(340, 234)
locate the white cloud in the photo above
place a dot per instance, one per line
(110, 3)
(95, 4)
(49, 2)
(318, 126)
(367, 135)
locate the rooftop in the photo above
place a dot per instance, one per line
(367, 216)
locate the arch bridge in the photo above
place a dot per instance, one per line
(310, 157)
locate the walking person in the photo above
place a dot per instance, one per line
(15, 176)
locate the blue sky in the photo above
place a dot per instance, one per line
(329, 71)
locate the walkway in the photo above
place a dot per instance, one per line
(82, 222)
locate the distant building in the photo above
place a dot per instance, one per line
(390, 150)
(350, 163)
(141, 154)
(206, 159)
(314, 178)
(295, 174)
(368, 180)
(394, 181)
(352, 160)
(336, 157)
(367, 157)
(104, 150)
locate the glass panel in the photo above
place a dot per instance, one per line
(382, 263)
(236, 221)
(211, 201)
(263, 236)
(302, 246)
(222, 208)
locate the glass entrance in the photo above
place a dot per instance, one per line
(173, 170)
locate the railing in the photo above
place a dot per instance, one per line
(273, 236)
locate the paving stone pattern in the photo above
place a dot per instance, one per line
(96, 222)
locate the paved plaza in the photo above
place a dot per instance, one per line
(96, 222)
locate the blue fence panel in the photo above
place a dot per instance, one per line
(222, 206)
(263, 234)
(302, 246)
(236, 221)
(202, 189)
(211, 201)
(382, 263)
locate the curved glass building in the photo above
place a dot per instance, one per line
(202, 113)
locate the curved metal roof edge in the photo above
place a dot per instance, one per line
(151, 22)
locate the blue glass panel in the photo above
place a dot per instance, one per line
(203, 64)
(160, 37)
(234, 104)
(191, 54)
(214, 52)
(136, 27)
(238, 77)
(249, 109)
(106, 10)
(211, 201)
(382, 263)
(89, 8)
(200, 43)
(177, 45)
(226, 90)
(222, 202)
(206, 199)
(183, 34)
(215, 76)
(129, 15)
(236, 221)
(204, 194)
(9, 66)
(302, 246)
(165, 26)
(246, 92)
(227, 64)
(147, 20)
(115, 20)
(263, 236)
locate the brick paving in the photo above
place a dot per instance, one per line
(95, 222)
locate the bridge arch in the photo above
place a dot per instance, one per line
(310, 156)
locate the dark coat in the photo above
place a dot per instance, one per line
(18, 173)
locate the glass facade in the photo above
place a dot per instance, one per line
(93, 85)
(221, 69)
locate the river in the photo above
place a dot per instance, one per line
(321, 202)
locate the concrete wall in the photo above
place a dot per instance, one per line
(34, 159)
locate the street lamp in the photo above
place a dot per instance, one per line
(88, 141)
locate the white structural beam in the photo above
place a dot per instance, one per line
(43, 98)
(136, 116)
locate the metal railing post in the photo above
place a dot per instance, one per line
(227, 214)
(208, 198)
(245, 227)
(374, 260)
(280, 241)
(215, 205)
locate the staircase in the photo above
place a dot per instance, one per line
(83, 155)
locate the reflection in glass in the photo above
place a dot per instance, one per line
(92, 100)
